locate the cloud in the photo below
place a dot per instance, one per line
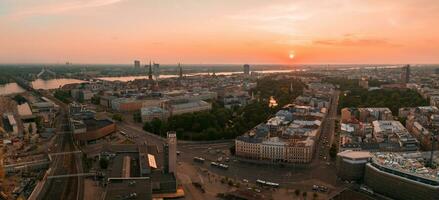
(59, 8)
(354, 40)
(277, 18)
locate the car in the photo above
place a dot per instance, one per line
(315, 187)
(245, 180)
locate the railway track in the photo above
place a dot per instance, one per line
(64, 188)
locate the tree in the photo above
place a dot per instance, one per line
(118, 117)
(147, 127)
(62, 95)
(315, 196)
(297, 192)
(232, 150)
(333, 151)
(103, 163)
(304, 194)
(30, 129)
(137, 116)
(96, 100)
(156, 124)
(19, 99)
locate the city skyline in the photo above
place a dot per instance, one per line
(230, 32)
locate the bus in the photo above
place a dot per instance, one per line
(219, 165)
(267, 183)
(198, 159)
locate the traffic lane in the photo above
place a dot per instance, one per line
(240, 170)
(285, 176)
(140, 136)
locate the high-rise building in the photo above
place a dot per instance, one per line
(156, 70)
(246, 69)
(136, 64)
(405, 74)
(170, 151)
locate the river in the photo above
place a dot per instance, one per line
(132, 78)
(10, 88)
(53, 83)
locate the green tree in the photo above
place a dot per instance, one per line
(304, 194)
(315, 196)
(19, 99)
(95, 100)
(137, 116)
(62, 95)
(297, 192)
(147, 127)
(232, 150)
(117, 117)
(333, 151)
(103, 163)
(30, 129)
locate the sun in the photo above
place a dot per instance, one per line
(291, 55)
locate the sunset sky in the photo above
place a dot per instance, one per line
(220, 31)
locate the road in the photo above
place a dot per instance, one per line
(320, 171)
(327, 131)
(64, 188)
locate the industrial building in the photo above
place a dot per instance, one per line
(390, 172)
(387, 172)
(142, 172)
(149, 113)
(178, 107)
(351, 164)
(86, 127)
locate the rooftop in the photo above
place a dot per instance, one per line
(24, 109)
(355, 155)
(129, 188)
(409, 163)
(94, 124)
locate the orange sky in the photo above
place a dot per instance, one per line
(228, 31)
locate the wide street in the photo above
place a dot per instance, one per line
(321, 171)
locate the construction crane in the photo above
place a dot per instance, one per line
(2, 172)
(434, 127)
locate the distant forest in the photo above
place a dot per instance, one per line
(353, 95)
(222, 123)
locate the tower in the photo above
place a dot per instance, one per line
(170, 150)
(136, 64)
(150, 71)
(407, 74)
(180, 75)
(246, 69)
(156, 71)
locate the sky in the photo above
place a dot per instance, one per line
(220, 31)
